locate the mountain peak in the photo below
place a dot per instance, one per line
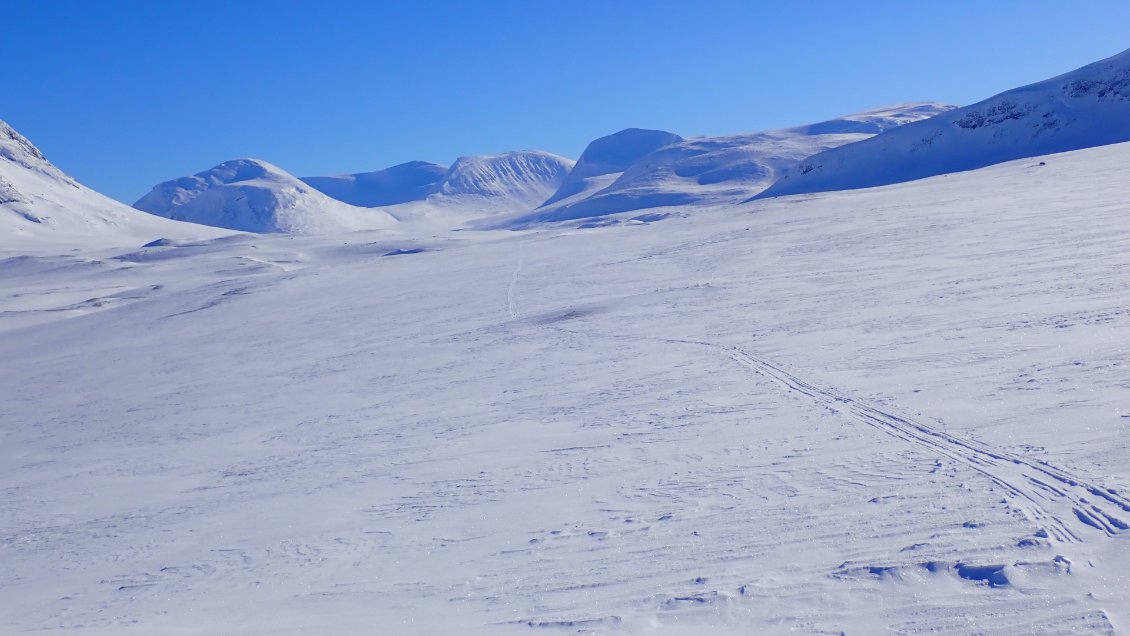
(523, 174)
(615, 152)
(253, 195)
(17, 149)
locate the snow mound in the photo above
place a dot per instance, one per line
(410, 181)
(708, 169)
(1084, 108)
(254, 196)
(39, 204)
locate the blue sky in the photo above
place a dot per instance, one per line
(123, 95)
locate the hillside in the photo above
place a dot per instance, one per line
(1083, 108)
(487, 186)
(410, 181)
(40, 205)
(707, 169)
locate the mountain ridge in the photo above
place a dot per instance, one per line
(1086, 107)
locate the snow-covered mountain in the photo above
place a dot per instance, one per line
(1084, 108)
(255, 196)
(39, 203)
(605, 159)
(410, 181)
(658, 169)
(488, 186)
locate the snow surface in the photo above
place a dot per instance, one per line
(1084, 108)
(255, 196)
(672, 171)
(895, 410)
(42, 206)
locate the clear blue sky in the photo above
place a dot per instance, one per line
(123, 95)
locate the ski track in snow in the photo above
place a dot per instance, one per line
(511, 291)
(1067, 507)
(1049, 496)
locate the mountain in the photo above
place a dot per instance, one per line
(489, 185)
(39, 203)
(1084, 108)
(255, 196)
(410, 181)
(605, 159)
(673, 171)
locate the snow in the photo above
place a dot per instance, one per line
(899, 409)
(607, 158)
(251, 195)
(487, 186)
(40, 206)
(255, 196)
(1084, 108)
(410, 181)
(636, 170)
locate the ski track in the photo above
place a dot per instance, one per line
(511, 291)
(1067, 508)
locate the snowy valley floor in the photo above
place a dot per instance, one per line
(897, 410)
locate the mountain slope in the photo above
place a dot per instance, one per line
(1084, 108)
(410, 181)
(716, 169)
(39, 203)
(605, 159)
(255, 196)
(489, 185)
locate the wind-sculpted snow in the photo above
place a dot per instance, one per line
(40, 206)
(1081, 109)
(254, 196)
(893, 410)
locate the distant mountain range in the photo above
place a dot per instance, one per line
(631, 171)
(667, 170)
